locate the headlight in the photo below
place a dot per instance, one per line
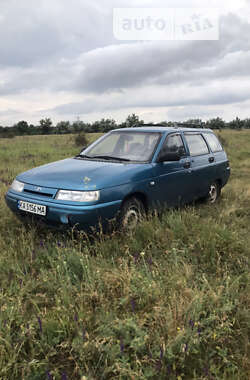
(78, 196)
(17, 186)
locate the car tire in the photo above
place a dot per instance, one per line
(132, 212)
(213, 193)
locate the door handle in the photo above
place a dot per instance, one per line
(211, 159)
(186, 165)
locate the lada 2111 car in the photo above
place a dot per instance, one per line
(121, 176)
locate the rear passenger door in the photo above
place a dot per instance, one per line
(202, 163)
(220, 158)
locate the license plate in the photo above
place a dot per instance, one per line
(32, 208)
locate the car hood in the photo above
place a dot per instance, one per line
(78, 174)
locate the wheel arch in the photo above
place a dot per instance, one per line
(219, 181)
(139, 195)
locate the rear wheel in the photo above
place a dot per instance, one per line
(213, 193)
(131, 214)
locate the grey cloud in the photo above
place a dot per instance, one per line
(193, 112)
(125, 66)
(118, 67)
(44, 77)
(45, 30)
(9, 112)
(129, 66)
(175, 97)
(27, 37)
(234, 65)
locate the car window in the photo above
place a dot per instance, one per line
(173, 144)
(107, 145)
(196, 144)
(213, 142)
(134, 146)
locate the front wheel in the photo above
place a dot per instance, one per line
(213, 193)
(131, 214)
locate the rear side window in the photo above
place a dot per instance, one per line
(213, 142)
(196, 144)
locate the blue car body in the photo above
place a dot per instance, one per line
(155, 183)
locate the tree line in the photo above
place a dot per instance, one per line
(46, 126)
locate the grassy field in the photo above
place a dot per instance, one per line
(170, 302)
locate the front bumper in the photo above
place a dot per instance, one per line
(66, 215)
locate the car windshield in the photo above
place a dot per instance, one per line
(124, 146)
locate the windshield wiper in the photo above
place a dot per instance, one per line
(82, 156)
(112, 158)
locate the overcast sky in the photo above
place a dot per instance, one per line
(60, 59)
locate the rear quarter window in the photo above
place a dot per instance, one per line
(196, 144)
(213, 142)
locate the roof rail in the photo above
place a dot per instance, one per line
(174, 125)
(190, 125)
(152, 125)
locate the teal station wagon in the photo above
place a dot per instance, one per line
(121, 176)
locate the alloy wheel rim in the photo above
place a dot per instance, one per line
(131, 218)
(213, 193)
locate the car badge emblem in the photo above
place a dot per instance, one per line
(38, 188)
(86, 180)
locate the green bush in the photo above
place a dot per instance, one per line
(81, 140)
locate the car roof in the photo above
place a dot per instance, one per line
(162, 129)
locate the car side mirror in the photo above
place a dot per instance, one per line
(170, 156)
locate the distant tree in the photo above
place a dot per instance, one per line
(7, 132)
(133, 120)
(108, 124)
(247, 123)
(78, 126)
(45, 125)
(237, 123)
(22, 128)
(33, 129)
(166, 123)
(216, 123)
(194, 122)
(103, 125)
(87, 128)
(63, 127)
(96, 127)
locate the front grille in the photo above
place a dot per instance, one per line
(38, 193)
